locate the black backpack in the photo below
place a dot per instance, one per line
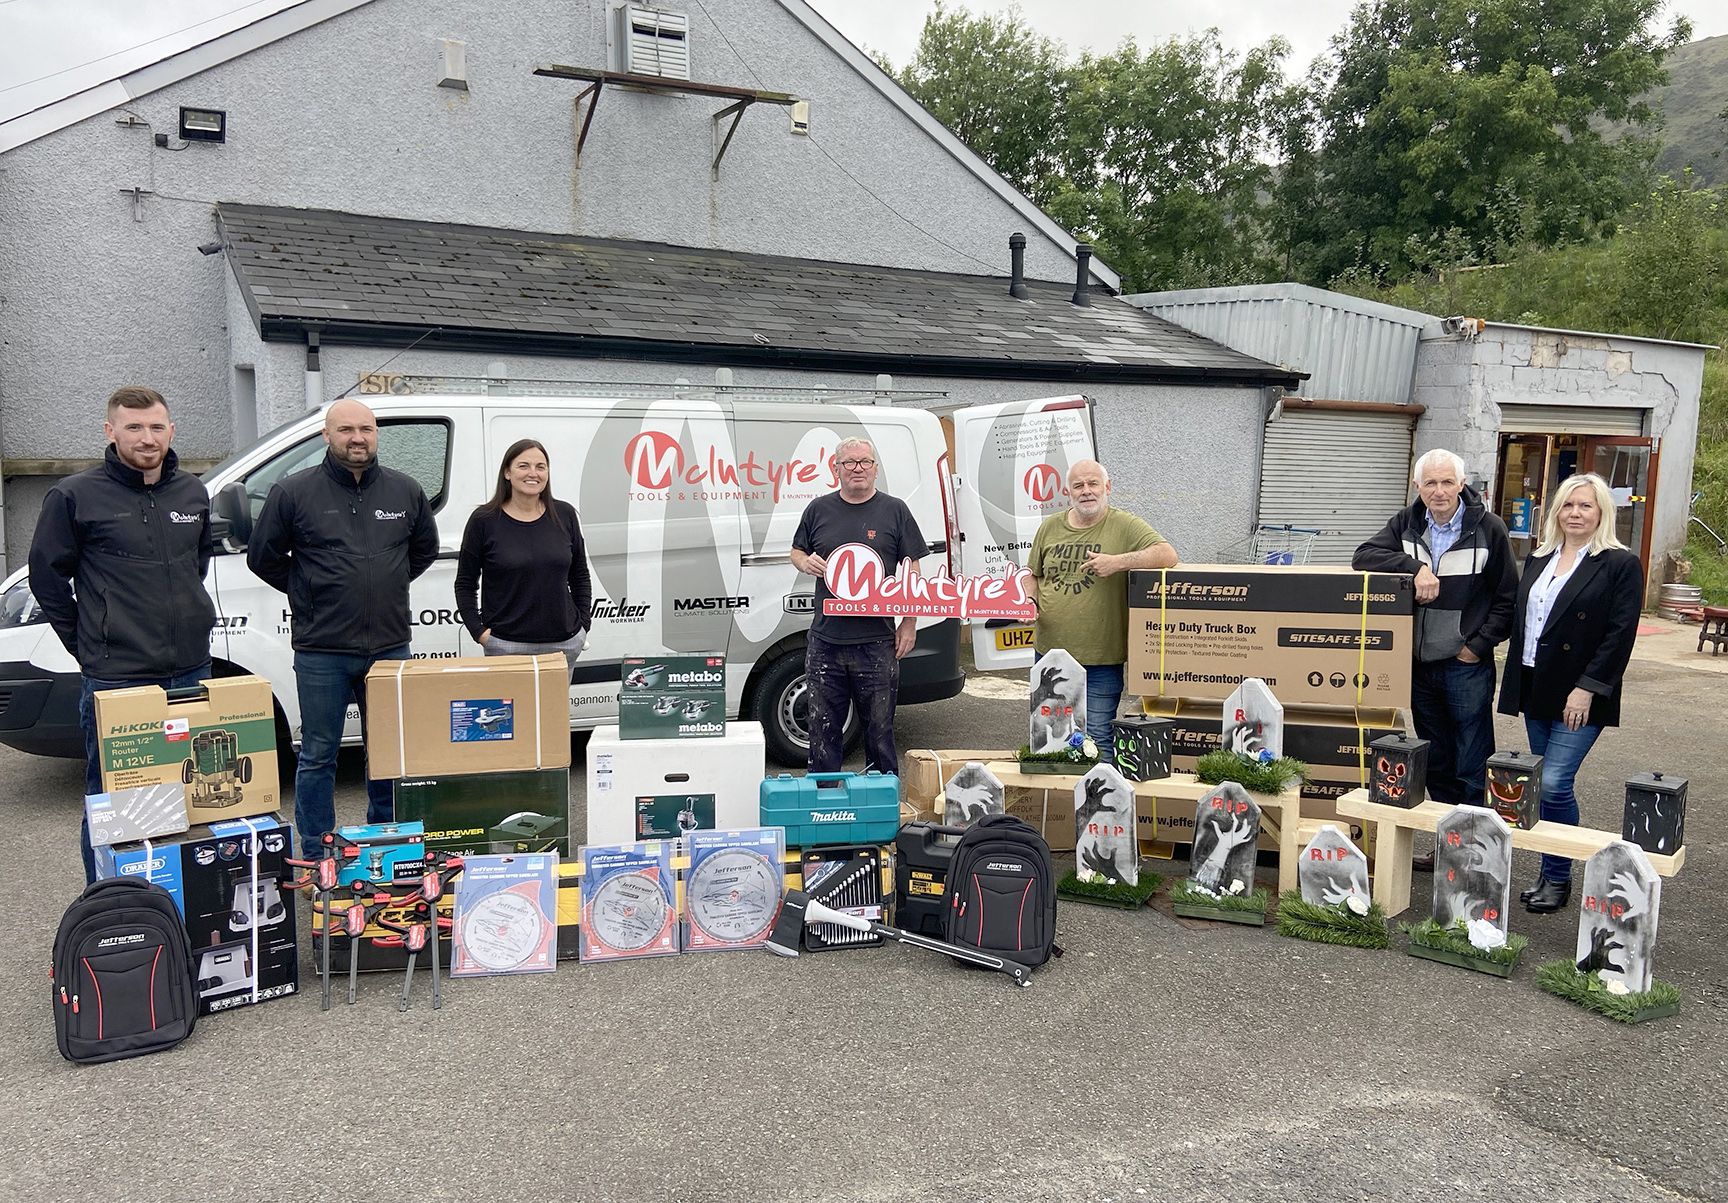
(122, 973)
(1001, 892)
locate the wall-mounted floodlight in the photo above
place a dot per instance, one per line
(203, 125)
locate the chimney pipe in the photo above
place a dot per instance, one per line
(1082, 272)
(1017, 273)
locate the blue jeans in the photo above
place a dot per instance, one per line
(844, 674)
(92, 754)
(326, 682)
(1104, 685)
(1452, 704)
(1562, 751)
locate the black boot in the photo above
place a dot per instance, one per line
(1422, 862)
(1527, 895)
(1550, 896)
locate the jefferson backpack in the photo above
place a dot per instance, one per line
(1001, 892)
(122, 973)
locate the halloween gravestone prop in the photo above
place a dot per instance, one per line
(1253, 721)
(1397, 771)
(1105, 842)
(1617, 917)
(1515, 787)
(1333, 870)
(1058, 701)
(1142, 746)
(1226, 832)
(1655, 816)
(1472, 867)
(970, 794)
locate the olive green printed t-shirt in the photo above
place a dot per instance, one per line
(1078, 611)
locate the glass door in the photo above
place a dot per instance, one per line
(1628, 464)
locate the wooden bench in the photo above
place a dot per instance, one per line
(1280, 813)
(1396, 828)
(1712, 628)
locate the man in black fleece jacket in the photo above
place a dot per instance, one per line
(1466, 585)
(132, 537)
(342, 539)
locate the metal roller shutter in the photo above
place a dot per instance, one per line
(1343, 473)
(1571, 419)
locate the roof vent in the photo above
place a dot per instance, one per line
(654, 42)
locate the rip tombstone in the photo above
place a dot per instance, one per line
(1332, 870)
(1253, 721)
(1617, 917)
(1226, 832)
(970, 794)
(1472, 867)
(1057, 707)
(1104, 834)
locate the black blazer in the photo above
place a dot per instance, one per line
(1587, 642)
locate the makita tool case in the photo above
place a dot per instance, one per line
(832, 808)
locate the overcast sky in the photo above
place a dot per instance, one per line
(51, 48)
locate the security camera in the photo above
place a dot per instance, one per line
(209, 248)
(1451, 325)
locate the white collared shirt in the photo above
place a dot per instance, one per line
(1541, 603)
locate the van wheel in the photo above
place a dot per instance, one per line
(781, 703)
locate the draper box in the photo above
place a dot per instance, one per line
(477, 714)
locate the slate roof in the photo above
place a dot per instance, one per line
(386, 281)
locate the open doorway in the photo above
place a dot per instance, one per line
(1530, 466)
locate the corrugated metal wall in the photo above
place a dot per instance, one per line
(1354, 350)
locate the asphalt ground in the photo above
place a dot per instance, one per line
(1160, 1057)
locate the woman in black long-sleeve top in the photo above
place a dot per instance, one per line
(522, 583)
(1572, 633)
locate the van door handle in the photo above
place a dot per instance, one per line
(938, 545)
(754, 558)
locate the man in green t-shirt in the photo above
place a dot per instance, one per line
(1072, 555)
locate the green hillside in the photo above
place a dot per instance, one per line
(1695, 129)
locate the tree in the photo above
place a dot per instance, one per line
(1159, 156)
(998, 86)
(1666, 263)
(1480, 117)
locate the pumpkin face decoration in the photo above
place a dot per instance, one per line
(1398, 771)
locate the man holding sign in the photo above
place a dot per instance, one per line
(1072, 555)
(853, 660)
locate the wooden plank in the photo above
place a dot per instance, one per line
(1395, 837)
(1556, 839)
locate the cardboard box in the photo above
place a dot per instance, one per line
(673, 674)
(672, 714)
(1199, 631)
(1332, 743)
(479, 714)
(227, 881)
(623, 770)
(220, 746)
(478, 813)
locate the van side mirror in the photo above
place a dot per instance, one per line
(231, 516)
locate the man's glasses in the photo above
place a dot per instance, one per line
(857, 465)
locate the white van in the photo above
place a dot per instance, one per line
(687, 506)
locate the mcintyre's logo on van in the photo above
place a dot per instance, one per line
(799, 603)
(386, 515)
(682, 605)
(657, 464)
(1043, 484)
(652, 458)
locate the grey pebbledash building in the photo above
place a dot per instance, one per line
(355, 190)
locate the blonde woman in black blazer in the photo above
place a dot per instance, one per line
(1572, 633)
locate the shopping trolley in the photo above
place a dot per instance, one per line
(1271, 545)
